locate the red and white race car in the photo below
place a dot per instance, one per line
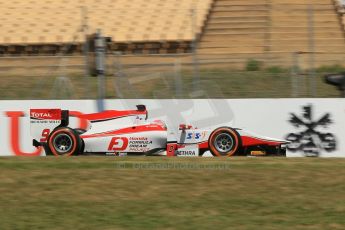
(130, 132)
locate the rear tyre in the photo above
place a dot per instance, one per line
(224, 141)
(65, 141)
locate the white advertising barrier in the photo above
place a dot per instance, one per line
(315, 127)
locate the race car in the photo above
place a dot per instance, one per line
(130, 132)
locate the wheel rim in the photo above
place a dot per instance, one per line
(63, 143)
(223, 143)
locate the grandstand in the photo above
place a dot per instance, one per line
(272, 30)
(228, 32)
(152, 26)
(297, 25)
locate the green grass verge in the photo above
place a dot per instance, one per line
(217, 83)
(219, 193)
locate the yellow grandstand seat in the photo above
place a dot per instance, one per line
(55, 21)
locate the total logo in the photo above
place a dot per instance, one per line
(45, 114)
(196, 135)
(40, 115)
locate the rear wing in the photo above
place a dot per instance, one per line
(44, 121)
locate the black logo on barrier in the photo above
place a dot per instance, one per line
(310, 141)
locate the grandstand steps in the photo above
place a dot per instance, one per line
(271, 31)
(305, 48)
(317, 34)
(233, 49)
(305, 41)
(298, 9)
(233, 56)
(304, 17)
(277, 35)
(235, 24)
(228, 39)
(301, 2)
(238, 2)
(229, 35)
(258, 13)
(280, 29)
(237, 30)
(246, 8)
(290, 32)
(241, 18)
(302, 28)
(301, 8)
(232, 43)
(325, 23)
(236, 27)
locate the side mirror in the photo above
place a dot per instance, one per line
(141, 107)
(337, 80)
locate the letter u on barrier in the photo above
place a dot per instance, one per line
(14, 135)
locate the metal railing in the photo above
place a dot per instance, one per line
(171, 78)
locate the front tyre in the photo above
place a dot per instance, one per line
(224, 142)
(65, 142)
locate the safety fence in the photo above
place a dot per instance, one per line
(164, 76)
